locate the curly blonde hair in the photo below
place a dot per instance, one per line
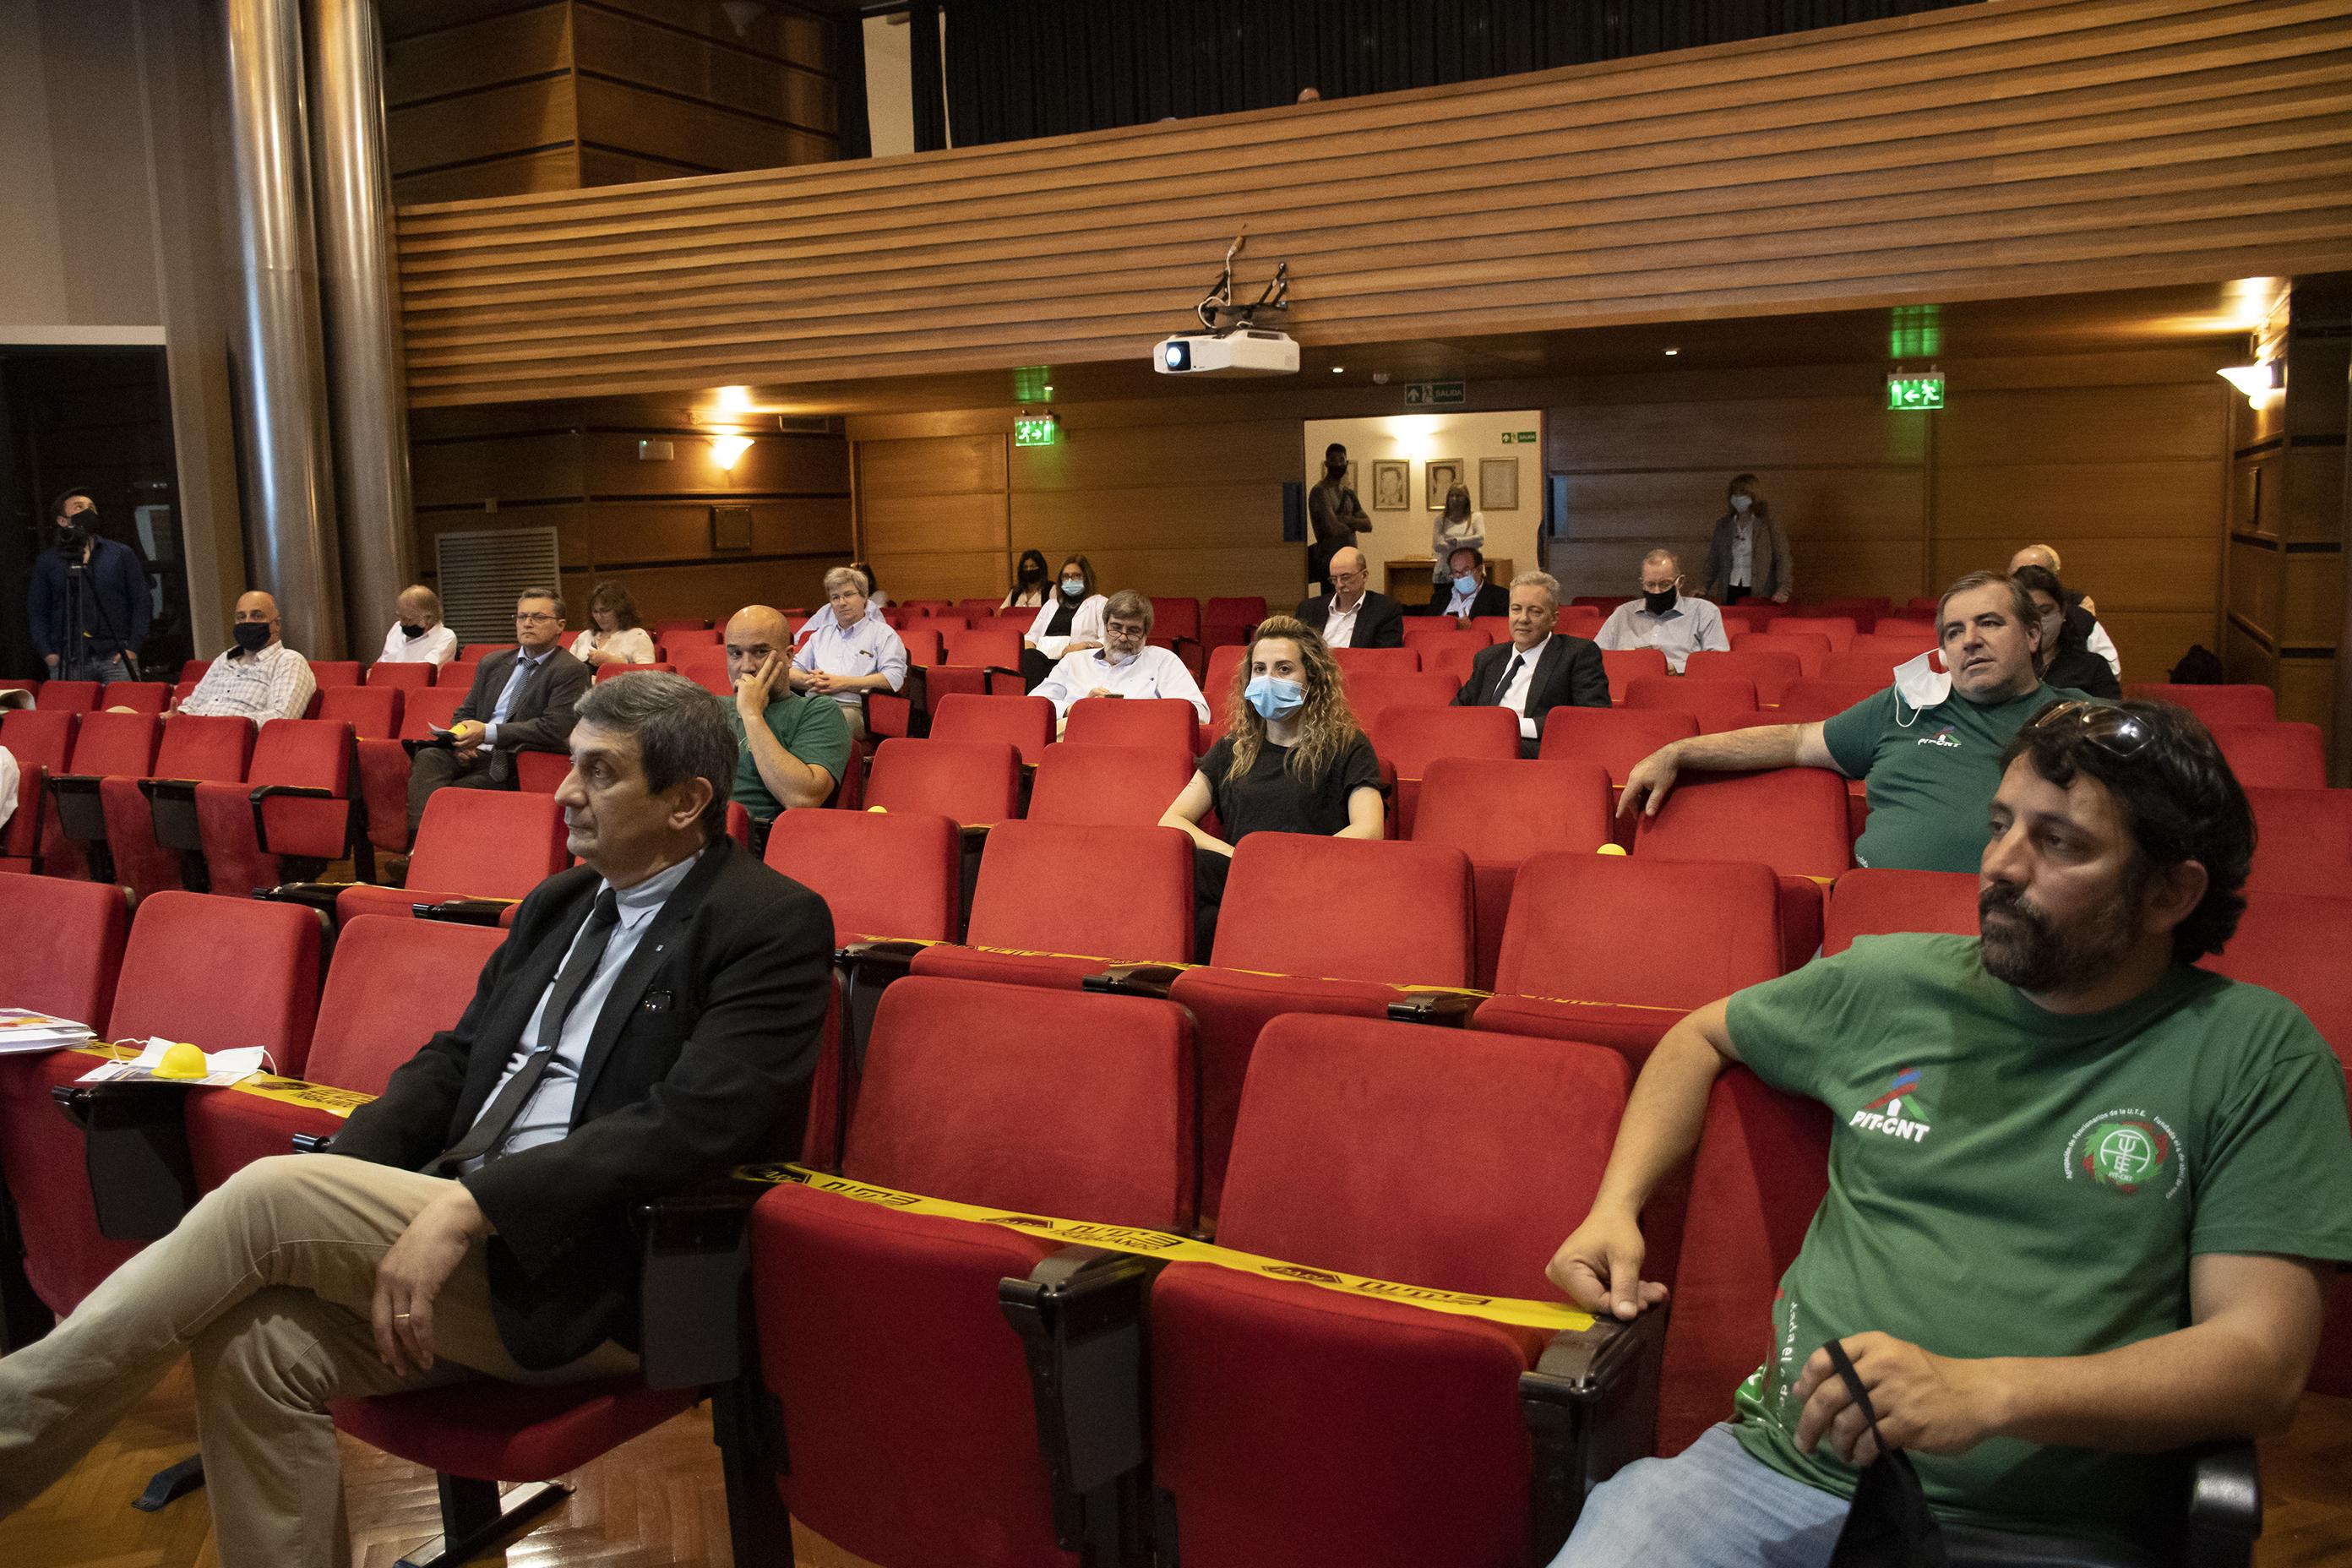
(1327, 725)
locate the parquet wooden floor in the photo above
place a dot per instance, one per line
(657, 1503)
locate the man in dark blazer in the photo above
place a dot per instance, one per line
(648, 1023)
(522, 699)
(1466, 593)
(1539, 670)
(1351, 612)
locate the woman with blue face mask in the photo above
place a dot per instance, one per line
(1070, 621)
(1293, 761)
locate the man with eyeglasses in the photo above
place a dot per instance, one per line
(1351, 614)
(1126, 665)
(1664, 617)
(1929, 744)
(521, 701)
(2082, 1199)
(259, 678)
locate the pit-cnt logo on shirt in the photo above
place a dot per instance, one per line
(1885, 1114)
(1944, 738)
(2127, 1151)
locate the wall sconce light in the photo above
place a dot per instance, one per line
(727, 450)
(2258, 381)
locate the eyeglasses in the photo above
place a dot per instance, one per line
(2120, 734)
(523, 620)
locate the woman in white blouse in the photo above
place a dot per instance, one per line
(613, 636)
(417, 636)
(1070, 622)
(1457, 527)
(1030, 589)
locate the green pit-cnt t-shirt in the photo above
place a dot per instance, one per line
(1932, 772)
(808, 726)
(2009, 1182)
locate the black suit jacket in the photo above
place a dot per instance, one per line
(721, 1007)
(1380, 620)
(1493, 599)
(1569, 674)
(541, 718)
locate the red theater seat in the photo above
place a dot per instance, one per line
(1368, 693)
(306, 817)
(1109, 786)
(106, 745)
(1771, 673)
(1810, 649)
(371, 712)
(1616, 738)
(1840, 629)
(2238, 704)
(1868, 902)
(328, 673)
(1292, 1424)
(881, 1339)
(403, 675)
(2272, 756)
(1627, 665)
(174, 986)
(1026, 723)
(1409, 740)
(1718, 705)
(1356, 661)
(1499, 814)
(193, 748)
(974, 782)
(67, 696)
(1165, 723)
(614, 671)
(471, 844)
(1604, 949)
(1794, 820)
(139, 696)
(41, 740)
(1045, 930)
(2303, 840)
(1811, 701)
(882, 875)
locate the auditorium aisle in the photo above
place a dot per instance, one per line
(657, 1503)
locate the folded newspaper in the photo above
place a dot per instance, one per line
(222, 1068)
(22, 1032)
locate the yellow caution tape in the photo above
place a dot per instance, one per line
(1553, 1316)
(264, 1086)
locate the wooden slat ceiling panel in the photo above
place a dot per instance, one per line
(2020, 147)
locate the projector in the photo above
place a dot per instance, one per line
(1250, 351)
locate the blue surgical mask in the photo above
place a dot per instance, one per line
(1273, 698)
(1741, 504)
(1466, 585)
(1074, 586)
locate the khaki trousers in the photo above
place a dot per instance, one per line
(267, 1283)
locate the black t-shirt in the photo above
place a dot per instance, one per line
(1065, 613)
(1270, 798)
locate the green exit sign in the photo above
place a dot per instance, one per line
(1044, 430)
(1915, 391)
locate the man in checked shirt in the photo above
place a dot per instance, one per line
(259, 677)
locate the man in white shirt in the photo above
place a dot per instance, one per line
(1540, 669)
(1663, 618)
(2095, 638)
(845, 653)
(261, 677)
(1125, 665)
(1351, 614)
(418, 636)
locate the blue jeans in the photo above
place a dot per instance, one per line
(105, 672)
(1710, 1506)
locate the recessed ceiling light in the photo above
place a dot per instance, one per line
(1339, 369)
(1672, 352)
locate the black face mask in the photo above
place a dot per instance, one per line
(252, 635)
(75, 532)
(410, 630)
(1337, 467)
(1031, 575)
(1659, 603)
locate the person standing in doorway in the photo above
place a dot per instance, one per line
(1334, 515)
(1748, 556)
(88, 605)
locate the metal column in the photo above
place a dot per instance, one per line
(369, 406)
(279, 368)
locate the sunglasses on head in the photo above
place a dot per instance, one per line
(2115, 730)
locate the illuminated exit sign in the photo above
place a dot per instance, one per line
(1044, 430)
(1915, 391)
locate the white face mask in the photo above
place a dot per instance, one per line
(1920, 684)
(1742, 503)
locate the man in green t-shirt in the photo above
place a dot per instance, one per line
(1929, 744)
(794, 746)
(2083, 1194)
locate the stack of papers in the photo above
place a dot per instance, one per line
(222, 1068)
(21, 1031)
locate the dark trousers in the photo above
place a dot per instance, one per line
(1209, 869)
(439, 767)
(1733, 593)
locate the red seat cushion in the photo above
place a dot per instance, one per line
(495, 1431)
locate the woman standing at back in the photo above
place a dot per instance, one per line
(1294, 762)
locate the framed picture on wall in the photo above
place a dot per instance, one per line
(1499, 484)
(1392, 485)
(1442, 474)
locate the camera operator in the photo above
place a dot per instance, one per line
(88, 605)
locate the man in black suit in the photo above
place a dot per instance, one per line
(1539, 670)
(1350, 616)
(520, 702)
(648, 1023)
(1467, 593)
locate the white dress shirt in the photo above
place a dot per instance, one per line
(868, 647)
(2100, 643)
(1460, 605)
(1692, 625)
(8, 775)
(1743, 552)
(1515, 692)
(1086, 626)
(273, 683)
(438, 646)
(1339, 626)
(634, 644)
(546, 1116)
(1154, 672)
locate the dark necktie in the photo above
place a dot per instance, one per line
(498, 1117)
(1509, 676)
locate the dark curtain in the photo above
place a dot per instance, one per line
(1018, 68)
(852, 124)
(923, 76)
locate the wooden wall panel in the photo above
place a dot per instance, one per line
(935, 465)
(660, 532)
(695, 67)
(696, 135)
(1193, 517)
(2022, 147)
(503, 120)
(902, 525)
(1768, 432)
(940, 575)
(813, 465)
(2159, 496)
(548, 169)
(535, 40)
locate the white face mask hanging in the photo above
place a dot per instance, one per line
(1919, 684)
